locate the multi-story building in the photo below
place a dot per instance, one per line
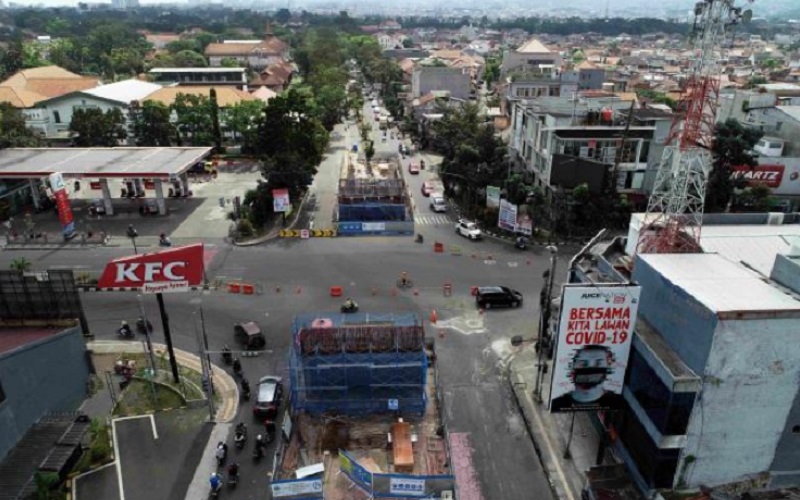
(258, 54)
(236, 77)
(711, 394)
(568, 142)
(530, 56)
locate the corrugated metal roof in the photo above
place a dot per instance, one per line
(755, 246)
(719, 284)
(792, 111)
(125, 91)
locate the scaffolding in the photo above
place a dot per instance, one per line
(359, 364)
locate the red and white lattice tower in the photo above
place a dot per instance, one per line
(674, 215)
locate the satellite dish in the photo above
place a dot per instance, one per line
(747, 16)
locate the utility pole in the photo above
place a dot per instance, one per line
(168, 338)
(544, 320)
(147, 335)
(206, 371)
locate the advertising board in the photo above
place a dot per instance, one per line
(172, 270)
(280, 200)
(595, 332)
(507, 218)
(65, 215)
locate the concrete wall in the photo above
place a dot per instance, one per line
(592, 79)
(786, 271)
(48, 375)
(750, 385)
(684, 323)
(785, 467)
(429, 78)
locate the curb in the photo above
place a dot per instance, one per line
(512, 239)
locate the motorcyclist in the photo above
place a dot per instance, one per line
(233, 471)
(237, 366)
(245, 388)
(240, 435)
(349, 304)
(164, 240)
(522, 242)
(143, 326)
(404, 279)
(216, 481)
(125, 329)
(259, 446)
(222, 452)
(227, 356)
(269, 426)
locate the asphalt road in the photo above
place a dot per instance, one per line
(295, 276)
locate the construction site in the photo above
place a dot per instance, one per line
(365, 413)
(372, 197)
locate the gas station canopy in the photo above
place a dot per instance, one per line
(99, 163)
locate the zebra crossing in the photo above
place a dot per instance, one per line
(433, 220)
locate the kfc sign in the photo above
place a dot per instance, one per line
(173, 270)
(769, 175)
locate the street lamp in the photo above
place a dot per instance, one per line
(133, 234)
(544, 320)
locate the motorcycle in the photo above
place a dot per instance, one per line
(237, 367)
(259, 448)
(222, 453)
(240, 435)
(521, 243)
(420, 239)
(245, 394)
(227, 355)
(233, 475)
(216, 484)
(269, 426)
(125, 332)
(143, 326)
(352, 307)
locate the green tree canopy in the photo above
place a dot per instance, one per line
(152, 125)
(13, 132)
(96, 128)
(732, 146)
(195, 120)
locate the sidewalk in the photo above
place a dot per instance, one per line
(550, 432)
(99, 404)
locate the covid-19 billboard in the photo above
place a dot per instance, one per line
(595, 331)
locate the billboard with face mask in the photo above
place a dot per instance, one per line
(595, 331)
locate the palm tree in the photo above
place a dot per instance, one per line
(21, 264)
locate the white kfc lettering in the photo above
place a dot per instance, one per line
(125, 272)
(173, 271)
(170, 274)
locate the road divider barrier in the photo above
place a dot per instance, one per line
(433, 317)
(438, 247)
(447, 290)
(336, 291)
(455, 250)
(307, 233)
(234, 287)
(248, 289)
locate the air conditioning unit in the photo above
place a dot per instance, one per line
(774, 219)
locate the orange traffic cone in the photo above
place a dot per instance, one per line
(433, 316)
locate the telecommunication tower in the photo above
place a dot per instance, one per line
(674, 214)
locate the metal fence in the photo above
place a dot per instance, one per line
(42, 296)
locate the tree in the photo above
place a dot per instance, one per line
(491, 72)
(13, 132)
(194, 119)
(408, 43)
(242, 117)
(732, 146)
(96, 128)
(216, 130)
(189, 59)
(152, 124)
(181, 45)
(13, 58)
(230, 62)
(21, 264)
(283, 16)
(369, 150)
(290, 142)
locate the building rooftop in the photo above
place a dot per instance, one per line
(198, 70)
(533, 46)
(752, 246)
(226, 95)
(125, 91)
(719, 284)
(19, 97)
(792, 111)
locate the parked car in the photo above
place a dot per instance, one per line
(438, 204)
(268, 397)
(468, 229)
(488, 297)
(413, 168)
(249, 335)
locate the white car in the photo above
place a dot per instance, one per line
(468, 229)
(437, 203)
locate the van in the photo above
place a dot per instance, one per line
(437, 203)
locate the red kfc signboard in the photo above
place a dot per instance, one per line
(769, 175)
(173, 270)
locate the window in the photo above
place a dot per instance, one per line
(56, 117)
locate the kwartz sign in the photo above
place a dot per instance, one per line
(173, 270)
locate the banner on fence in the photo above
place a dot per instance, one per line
(297, 489)
(358, 474)
(405, 486)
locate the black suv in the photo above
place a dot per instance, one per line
(488, 297)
